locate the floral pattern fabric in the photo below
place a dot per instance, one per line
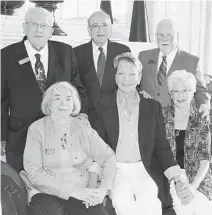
(197, 145)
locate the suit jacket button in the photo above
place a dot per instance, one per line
(158, 94)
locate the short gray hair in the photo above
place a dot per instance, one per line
(129, 57)
(102, 13)
(182, 76)
(49, 95)
(39, 11)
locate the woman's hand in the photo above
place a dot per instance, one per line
(87, 195)
(100, 194)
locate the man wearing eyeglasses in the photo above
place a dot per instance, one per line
(95, 61)
(158, 64)
(28, 68)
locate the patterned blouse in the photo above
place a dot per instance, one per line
(197, 145)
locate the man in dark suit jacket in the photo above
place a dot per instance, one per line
(99, 28)
(22, 92)
(176, 59)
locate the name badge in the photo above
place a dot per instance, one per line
(50, 151)
(23, 61)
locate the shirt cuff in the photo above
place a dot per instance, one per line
(172, 171)
(95, 168)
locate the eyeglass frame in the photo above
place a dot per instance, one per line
(36, 25)
(103, 26)
(163, 35)
(181, 91)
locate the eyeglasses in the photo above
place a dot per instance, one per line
(181, 91)
(168, 36)
(96, 27)
(36, 25)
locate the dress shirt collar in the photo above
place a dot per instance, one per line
(127, 101)
(31, 51)
(96, 48)
(169, 58)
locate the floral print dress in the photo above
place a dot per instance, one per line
(197, 145)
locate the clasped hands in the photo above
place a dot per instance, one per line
(91, 196)
(184, 190)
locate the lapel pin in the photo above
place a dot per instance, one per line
(23, 61)
(151, 61)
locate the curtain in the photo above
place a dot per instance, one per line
(139, 27)
(106, 7)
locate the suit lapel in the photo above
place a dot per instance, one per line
(178, 60)
(52, 64)
(111, 120)
(144, 130)
(154, 59)
(90, 63)
(26, 68)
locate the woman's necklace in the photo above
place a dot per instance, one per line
(63, 139)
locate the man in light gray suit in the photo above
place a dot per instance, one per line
(176, 59)
(158, 64)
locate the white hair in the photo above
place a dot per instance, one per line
(182, 76)
(39, 11)
(49, 95)
(129, 57)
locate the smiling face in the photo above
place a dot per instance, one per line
(38, 29)
(62, 103)
(181, 93)
(127, 76)
(99, 28)
(167, 37)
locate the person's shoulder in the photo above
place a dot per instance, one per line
(11, 49)
(151, 103)
(147, 53)
(119, 45)
(59, 45)
(37, 125)
(82, 46)
(187, 55)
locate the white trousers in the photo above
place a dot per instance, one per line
(134, 191)
(200, 205)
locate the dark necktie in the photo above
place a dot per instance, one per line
(101, 65)
(40, 73)
(162, 71)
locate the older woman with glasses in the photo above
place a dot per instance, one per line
(189, 137)
(133, 126)
(63, 157)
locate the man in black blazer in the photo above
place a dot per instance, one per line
(88, 55)
(24, 78)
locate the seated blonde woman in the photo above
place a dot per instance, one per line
(63, 155)
(133, 126)
(189, 136)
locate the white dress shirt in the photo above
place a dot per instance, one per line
(169, 58)
(96, 53)
(44, 53)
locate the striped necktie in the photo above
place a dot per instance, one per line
(162, 71)
(40, 73)
(101, 65)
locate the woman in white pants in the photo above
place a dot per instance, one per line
(133, 126)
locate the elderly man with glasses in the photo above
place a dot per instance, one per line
(158, 64)
(28, 68)
(95, 60)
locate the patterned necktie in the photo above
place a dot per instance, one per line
(101, 65)
(40, 73)
(162, 71)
